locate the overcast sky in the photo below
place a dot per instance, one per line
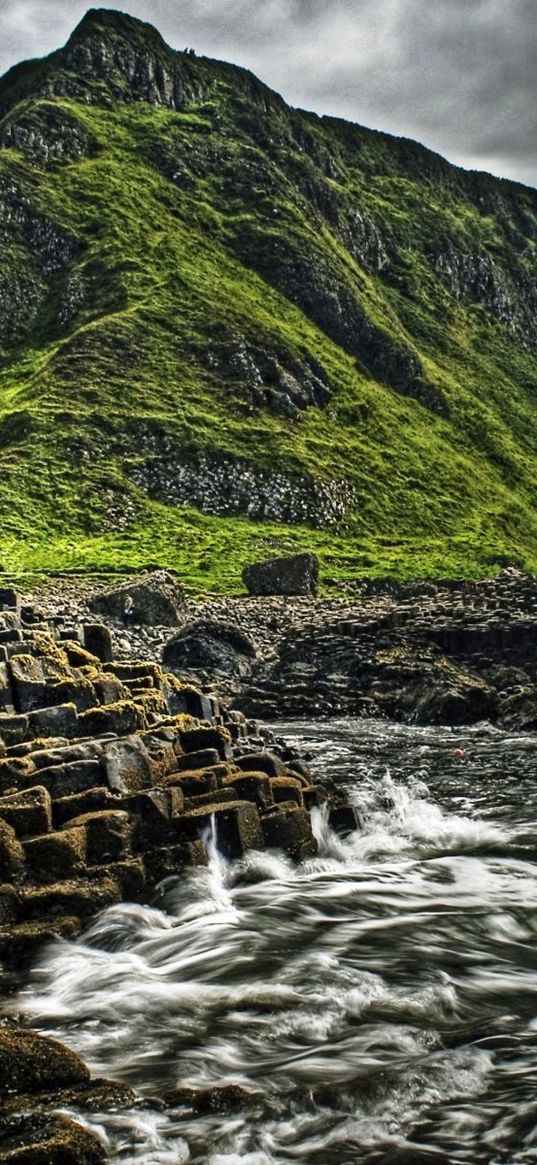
(458, 75)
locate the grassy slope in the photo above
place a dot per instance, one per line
(163, 281)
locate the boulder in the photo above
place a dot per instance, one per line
(19, 944)
(297, 574)
(207, 740)
(121, 718)
(40, 1139)
(262, 762)
(155, 599)
(216, 1098)
(207, 645)
(255, 787)
(9, 598)
(30, 1062)
(344, 819)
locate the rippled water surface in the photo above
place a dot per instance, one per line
(377, 1004)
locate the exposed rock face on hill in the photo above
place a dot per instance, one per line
(214, 305)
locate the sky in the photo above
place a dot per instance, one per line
(458, 75)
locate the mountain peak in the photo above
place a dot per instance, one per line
(110, 21)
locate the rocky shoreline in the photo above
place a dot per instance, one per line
(114, 775)
(452, 652)
(115, 767)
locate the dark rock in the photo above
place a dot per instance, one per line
(192, 784)
(189, 700)
(40, 1139)
(59, 721)
(172, 860)
(209, 646)
(9, 598)
(30, 1062)
(78, 898)
(344, 819)
(314, 796)
(127, 765)
(19, 944)
(9, 904)
(287, 789)
(151, 812)
(288, 827)
(28, 812)
(60, 752)
(236, 824)
(217, 797)
(129, 874)
(462, 702)
(11, 854)
(98, 640)
(518, 710)
(155, 599)
(14, 729)
(56, 856)
(122, 719)
(202, 759)
(28, 682)
(92, 800)
(207, 739)
(252, 786)
(218, 1098)
(66, 780)
(296, 575)
(261, 762)
(108, 835)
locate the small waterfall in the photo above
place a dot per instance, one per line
(218, 868)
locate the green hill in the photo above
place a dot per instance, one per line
(229, 328)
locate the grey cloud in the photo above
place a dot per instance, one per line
(458, 75)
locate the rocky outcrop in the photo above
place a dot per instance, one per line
(114, 774)
(47, 135)
(283, 384)
(479, 279)
(36, 251)
(224, 485)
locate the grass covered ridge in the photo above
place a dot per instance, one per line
(173, 277)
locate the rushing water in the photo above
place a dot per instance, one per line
(377, 1004)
